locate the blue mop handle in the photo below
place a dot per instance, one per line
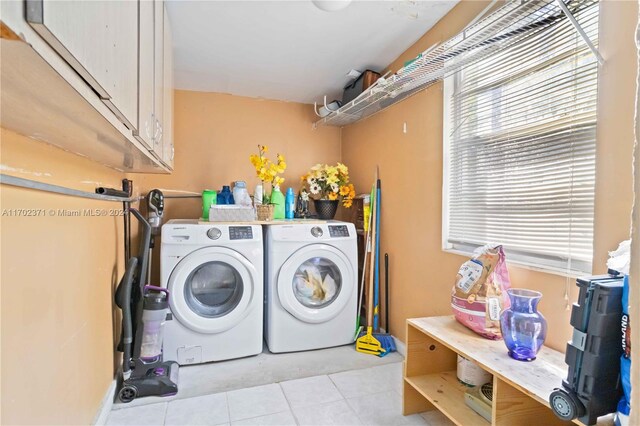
(376, 292)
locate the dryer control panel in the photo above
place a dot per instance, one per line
(240, 233)
(338, 231)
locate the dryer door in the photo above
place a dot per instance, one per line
(211, 289)
(315, 283)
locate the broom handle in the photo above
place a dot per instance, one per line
(376, 291)
(374, 217)
(367, 243)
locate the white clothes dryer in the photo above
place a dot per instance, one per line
(311, 285)
(214, 274)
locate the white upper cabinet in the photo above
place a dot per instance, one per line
(94, 77)
(151, 81)
(99, 39)
(167, 118)
(158, 76)
(147, 129)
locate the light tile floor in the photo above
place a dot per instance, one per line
(370, 396)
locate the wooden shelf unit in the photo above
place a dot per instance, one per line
(520, 389)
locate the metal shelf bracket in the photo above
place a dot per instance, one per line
(580, 31)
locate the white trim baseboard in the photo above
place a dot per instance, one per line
(105, 406)
(400, 346)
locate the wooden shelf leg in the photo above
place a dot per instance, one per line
(413, 402)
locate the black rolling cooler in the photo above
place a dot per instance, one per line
(593, 387)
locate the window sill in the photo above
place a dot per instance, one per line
(531, 267)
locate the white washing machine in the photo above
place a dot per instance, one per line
(311, 285)
(214, 274)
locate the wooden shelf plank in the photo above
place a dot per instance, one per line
(446, 393)
(536, 379)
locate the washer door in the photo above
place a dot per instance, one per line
(315, 283)
(211, 289)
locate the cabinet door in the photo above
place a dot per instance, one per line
(158, 74)
(99, 39)
(167, 118)
(146, 128)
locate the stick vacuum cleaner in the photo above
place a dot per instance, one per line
(144, 309)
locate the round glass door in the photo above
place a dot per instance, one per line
(213, 289)
(317, 282)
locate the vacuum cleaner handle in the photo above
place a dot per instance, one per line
(123, 300)
(140, 278)
(143, 251)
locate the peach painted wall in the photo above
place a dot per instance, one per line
(214, 135)
(57, 279)
(59, 273)
(411, 169)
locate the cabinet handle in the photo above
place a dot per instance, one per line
(173, 151)
(160, 132)
(147, 131)
(157, 134)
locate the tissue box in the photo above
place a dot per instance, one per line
(231, 213)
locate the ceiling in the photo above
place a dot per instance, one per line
(290, 50)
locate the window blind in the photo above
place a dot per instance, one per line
(520, 130)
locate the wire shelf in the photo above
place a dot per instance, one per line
(510, 24)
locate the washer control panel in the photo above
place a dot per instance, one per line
(240, 233)
(338, 231)
(214, 233)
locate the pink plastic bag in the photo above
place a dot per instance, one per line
(480, 292)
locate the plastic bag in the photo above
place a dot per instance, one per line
(480, 291)
(620, 258)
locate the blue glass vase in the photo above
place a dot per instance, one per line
(523, 327)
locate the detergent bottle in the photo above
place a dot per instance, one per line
(277, 199)
(225, 196)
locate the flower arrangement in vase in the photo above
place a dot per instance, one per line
(329, 184)
(270, 171)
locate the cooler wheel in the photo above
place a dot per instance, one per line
(565, 405)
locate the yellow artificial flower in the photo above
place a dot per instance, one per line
(344, 190)
(347, 203)
(264, 148)
(343, 169)
(333, 196)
